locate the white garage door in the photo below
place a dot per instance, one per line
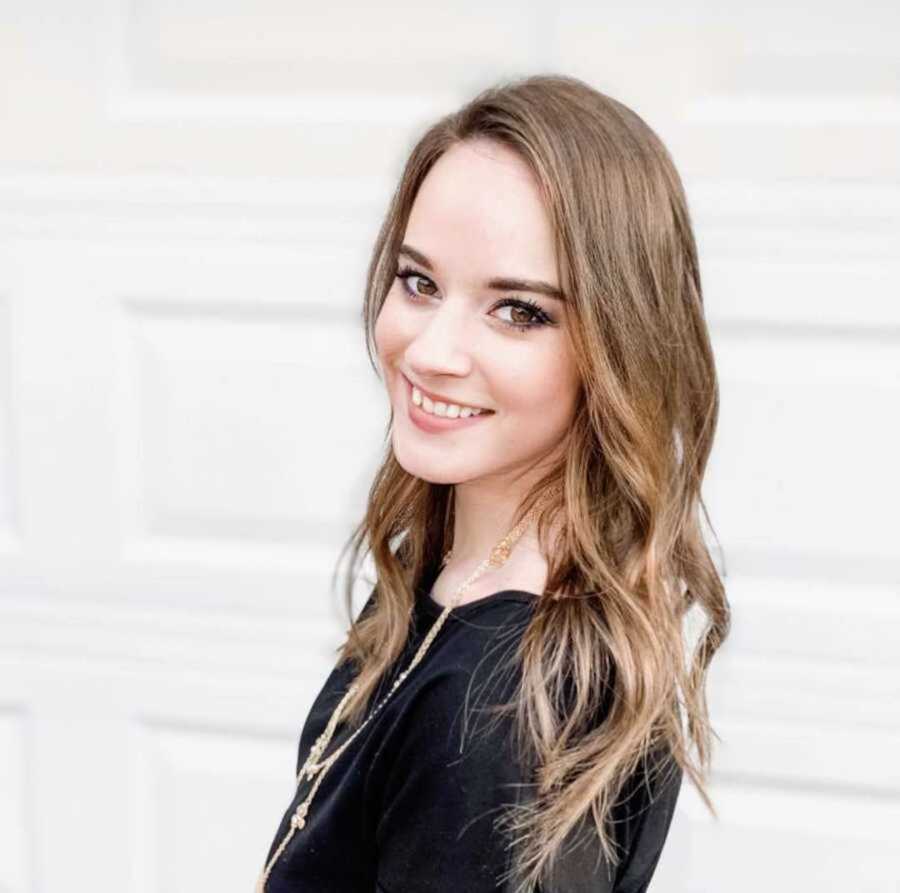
(188, 423)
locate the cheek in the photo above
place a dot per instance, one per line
(390, 334)
(543, 388)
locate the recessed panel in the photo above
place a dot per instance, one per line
(208, 802)
(806, 449)
(750, 90)
(251, 425)
(782, 838)
(277, 47)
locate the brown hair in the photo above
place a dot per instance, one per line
(629, 560)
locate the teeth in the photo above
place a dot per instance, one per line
(444, 410)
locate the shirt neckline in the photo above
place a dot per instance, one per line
(435, 609)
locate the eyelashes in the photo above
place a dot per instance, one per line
(539, 317)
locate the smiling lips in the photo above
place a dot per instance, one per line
(432, 401)
(442, 409)
(436, 415)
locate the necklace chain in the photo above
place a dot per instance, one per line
(314, 768)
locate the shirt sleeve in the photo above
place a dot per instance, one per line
(640, 822)
(445, 785)
(646, 816)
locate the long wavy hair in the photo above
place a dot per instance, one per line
(628, 560)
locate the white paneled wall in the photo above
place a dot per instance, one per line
(189, 423)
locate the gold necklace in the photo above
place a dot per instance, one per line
(313, 767)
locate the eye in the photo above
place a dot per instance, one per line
(408, 273)
(536, 315)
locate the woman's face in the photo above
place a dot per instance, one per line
(460, 338)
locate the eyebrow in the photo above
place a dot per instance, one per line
(500, 283)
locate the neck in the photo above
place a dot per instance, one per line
(484, 513)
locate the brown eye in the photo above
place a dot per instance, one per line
(406, 274)
(428, 284)
(524, 316)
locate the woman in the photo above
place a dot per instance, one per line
(508, 710)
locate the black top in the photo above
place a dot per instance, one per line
(409, 806)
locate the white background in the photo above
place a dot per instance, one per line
(188, 422)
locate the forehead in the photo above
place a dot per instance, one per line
(480, 209)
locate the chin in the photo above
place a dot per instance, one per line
(426, 471)
(434, 471)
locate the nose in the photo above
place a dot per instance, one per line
(443, 344)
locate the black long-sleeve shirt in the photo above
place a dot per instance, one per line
(409, 807)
